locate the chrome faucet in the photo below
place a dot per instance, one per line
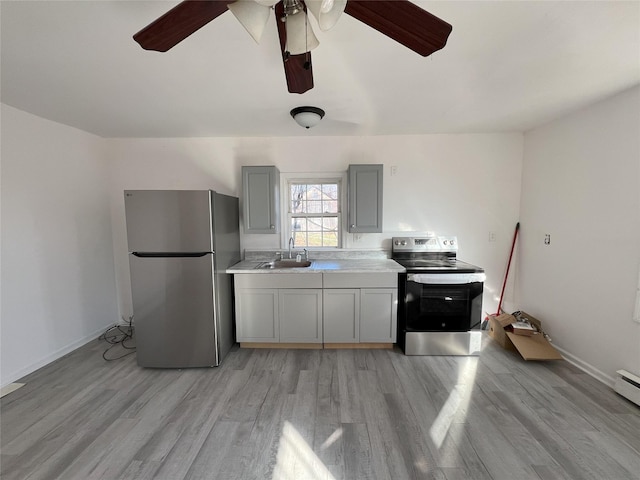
(291, 245)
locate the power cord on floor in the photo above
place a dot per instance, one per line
(118, 335)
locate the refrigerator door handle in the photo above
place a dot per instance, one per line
(169, 254)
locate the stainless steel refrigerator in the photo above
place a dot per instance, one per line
(180, 244)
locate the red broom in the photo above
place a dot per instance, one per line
(506, 275)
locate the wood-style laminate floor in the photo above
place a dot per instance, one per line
(318, 414)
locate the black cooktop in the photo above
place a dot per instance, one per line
(430, 254)
(448, 265)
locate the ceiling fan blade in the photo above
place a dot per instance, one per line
(404, 22)
(297, 68)
(178, 23)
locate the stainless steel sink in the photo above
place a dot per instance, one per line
(276, 264)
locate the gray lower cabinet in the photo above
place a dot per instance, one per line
(360, 315)
(341, 315)
(378, 314)
(300, 315)
(257, 316)
(289, 312)
(316, 308)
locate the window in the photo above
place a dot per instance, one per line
(314, 212)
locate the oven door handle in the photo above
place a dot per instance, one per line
(446, 279)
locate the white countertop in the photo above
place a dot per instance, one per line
(379, 265)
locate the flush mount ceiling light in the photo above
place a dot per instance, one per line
(307, 117)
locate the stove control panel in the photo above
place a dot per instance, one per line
(424, 244)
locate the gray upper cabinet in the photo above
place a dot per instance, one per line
(365, 198)
(261, 199)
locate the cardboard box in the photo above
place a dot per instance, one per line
(534, 347)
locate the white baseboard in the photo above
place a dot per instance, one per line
(12, 387)
(586, 367)
(12, 377)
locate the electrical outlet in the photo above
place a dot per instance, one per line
(547, 239)
(394, 170)
(492, 236)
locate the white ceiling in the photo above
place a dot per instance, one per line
(508, 66)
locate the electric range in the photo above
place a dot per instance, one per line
(440, 297)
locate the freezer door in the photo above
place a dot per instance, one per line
(168, 220)
(226, 244)
(173, 308)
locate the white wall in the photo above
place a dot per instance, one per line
(157, 164)
(465, 185)
(62, 213)
(581, 185)
(57, 279)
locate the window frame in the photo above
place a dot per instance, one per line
(286, 179)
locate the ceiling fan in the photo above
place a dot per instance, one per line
(399, 20)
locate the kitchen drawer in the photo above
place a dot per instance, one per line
(278, 280)
(360, 280)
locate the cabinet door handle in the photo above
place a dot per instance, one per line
(273, 226)
(353, 226)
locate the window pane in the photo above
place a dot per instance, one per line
(298, 224)
(309, 203)
(300, 239)
(297, 197)
(330, 191)
(315, 232)
(299, 231)
(314, 224)
(330, 206)
(314, 192)
(330, 239)
(330, 223)
(314, 207)
(314, 239)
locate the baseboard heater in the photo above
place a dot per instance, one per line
(628, 385)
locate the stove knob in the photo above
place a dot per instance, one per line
(444, 242)
(403, 242)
